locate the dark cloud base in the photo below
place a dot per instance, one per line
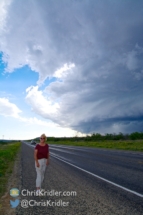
(124, 125)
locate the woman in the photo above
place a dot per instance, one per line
(41, 156)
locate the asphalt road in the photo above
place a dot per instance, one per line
(120, 167)
(106, 181)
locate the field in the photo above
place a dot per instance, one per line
(8, 152)
(133, 145)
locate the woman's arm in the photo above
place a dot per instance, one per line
(47, 159)
(35, 157)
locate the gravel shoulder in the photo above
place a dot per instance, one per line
(93, 196)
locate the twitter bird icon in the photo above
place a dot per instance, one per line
(14, 204)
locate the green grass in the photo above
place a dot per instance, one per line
(133, 145)
(8, 152)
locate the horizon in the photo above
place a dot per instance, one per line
(85, 136)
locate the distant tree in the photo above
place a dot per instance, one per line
(119, 136)
(136, 135)
(109, 136)
(96, 136)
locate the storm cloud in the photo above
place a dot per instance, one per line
(93, 49)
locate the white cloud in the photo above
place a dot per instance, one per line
(63, 71)
(8, 109)
(39, 103)
(11, 110)
(3, 14)
(36, 121)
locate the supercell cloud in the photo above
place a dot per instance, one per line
(93, 50)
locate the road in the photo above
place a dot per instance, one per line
(106, 181)
(120, 167)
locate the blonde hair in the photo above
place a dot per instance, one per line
(43, 135)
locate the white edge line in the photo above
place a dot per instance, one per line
(110, 182)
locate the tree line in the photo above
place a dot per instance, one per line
(98, 137)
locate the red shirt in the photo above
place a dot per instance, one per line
(42, 151)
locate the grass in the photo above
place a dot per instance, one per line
(8, 153)
(133, 145)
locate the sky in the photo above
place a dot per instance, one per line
(70, 67)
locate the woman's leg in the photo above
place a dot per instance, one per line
(43, 169)
(39, 175)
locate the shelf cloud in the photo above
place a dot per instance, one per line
(93, 49)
